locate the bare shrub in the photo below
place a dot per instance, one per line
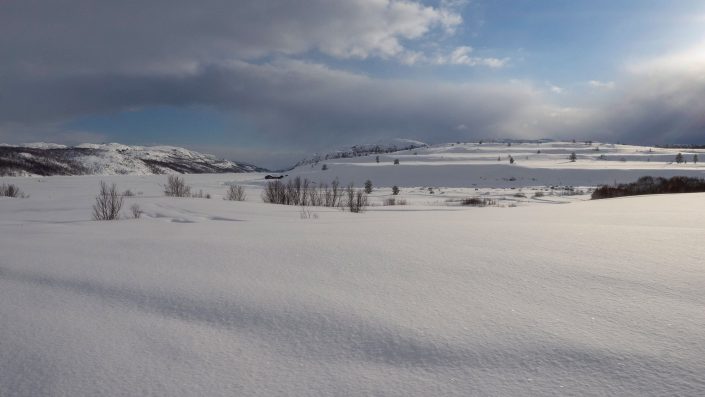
(176, 187)
(235, 193)
(108, 203)
(478, 202)
(136, 211)
(306, 213)
(336, 193)
(394, 201)
(538, 194)
(355, 200)
(274, 193)
(395, 190)
(128, 193)
(200, 194)
(302, 192)
(11, 190)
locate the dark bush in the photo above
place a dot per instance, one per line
(394, 201)
(368, 186)
(478, 202)
(11, 190)
(651, 185)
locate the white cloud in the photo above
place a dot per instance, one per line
(555, 89)
(463, 56)
(604, 85)
(690, 60)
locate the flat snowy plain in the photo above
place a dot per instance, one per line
(218, 298)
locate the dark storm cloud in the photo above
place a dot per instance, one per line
(289, 100)
(657, 108)
(65, 59)
(88, 35)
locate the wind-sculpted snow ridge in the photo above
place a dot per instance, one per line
(380, 147)
(110, 159)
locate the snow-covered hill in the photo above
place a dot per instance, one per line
(379, 147)
(488, 165)
(110, 159)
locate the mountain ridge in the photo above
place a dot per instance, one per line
(46, 159)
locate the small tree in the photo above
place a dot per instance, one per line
(108, 203)
(695, 159)
(377, 159)
(395, 190)
(573, 157)
(176, 187)
(324, 167)
(511, 160)
(396, 161)
(679, 158)
(368, 186)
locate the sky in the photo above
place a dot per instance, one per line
(272, 81)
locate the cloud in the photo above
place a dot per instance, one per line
(288, 101)
(657, 105)
(463, 56)
(66, 59)
(555, 89)
(603, 85)
(177, 35)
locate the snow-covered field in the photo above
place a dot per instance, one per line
(218, 298)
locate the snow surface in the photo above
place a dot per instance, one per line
(218, 298)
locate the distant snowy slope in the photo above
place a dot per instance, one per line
(505, 165)
(110, 159)
(379, 147)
